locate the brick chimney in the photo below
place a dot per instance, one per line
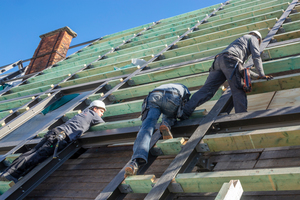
(53, 47)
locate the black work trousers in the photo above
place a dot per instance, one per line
(38, 154)
(220, 71)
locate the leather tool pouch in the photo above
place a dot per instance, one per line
(247, 87)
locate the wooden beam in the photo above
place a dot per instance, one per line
(10, 158)
(17, 103)
(263, 138)
(140, 183)
(170, 146)
(276, 179)
(4, 186)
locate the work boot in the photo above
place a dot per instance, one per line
(7, 178)
(165, 131)
(131, 169)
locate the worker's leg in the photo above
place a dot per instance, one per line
(171, 102)
(214, 80)
(30, 159)
(142, 142)
(169, 108)
(238, 94)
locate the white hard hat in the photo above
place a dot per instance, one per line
(98, 103)
(257, 33)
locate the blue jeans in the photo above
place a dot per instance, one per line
(220, 71)
(157, 103)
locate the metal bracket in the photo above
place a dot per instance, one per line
(103, 57)
(185, 37)
(287, 20)
(175, 188)
(204, 165)
(202, 147)
(87, 102)
(108, 87)
(265, 55)
(124, 188)
(294, 11)
(64, 119)
(74, 76)
(174, 46)
(131, 82)
(90, 67)
(156, 151)
(280, 30)
(273, 40)
(111, 98)
(161, 57)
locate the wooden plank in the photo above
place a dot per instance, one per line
(17, 103)
(274, 179)
(253, 104)
(140, 183)
(252, 180)
(285, 98)
(171, 146)
(280, 153)
(234, 157)
(279, 162)
(262, 104)
(230, 191)
(4, 186)
(10, 158)
(232, 165)
(272, 137)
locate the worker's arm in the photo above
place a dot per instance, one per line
(96, 119)
(254, 48)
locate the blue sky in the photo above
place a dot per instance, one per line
(23, 21)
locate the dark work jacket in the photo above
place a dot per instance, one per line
(80, 123)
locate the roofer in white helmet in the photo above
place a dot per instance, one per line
(55, 140)
(229, 65)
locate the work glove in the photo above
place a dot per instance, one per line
(266, 77)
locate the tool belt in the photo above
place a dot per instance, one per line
(60, 136)
(243, 78)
